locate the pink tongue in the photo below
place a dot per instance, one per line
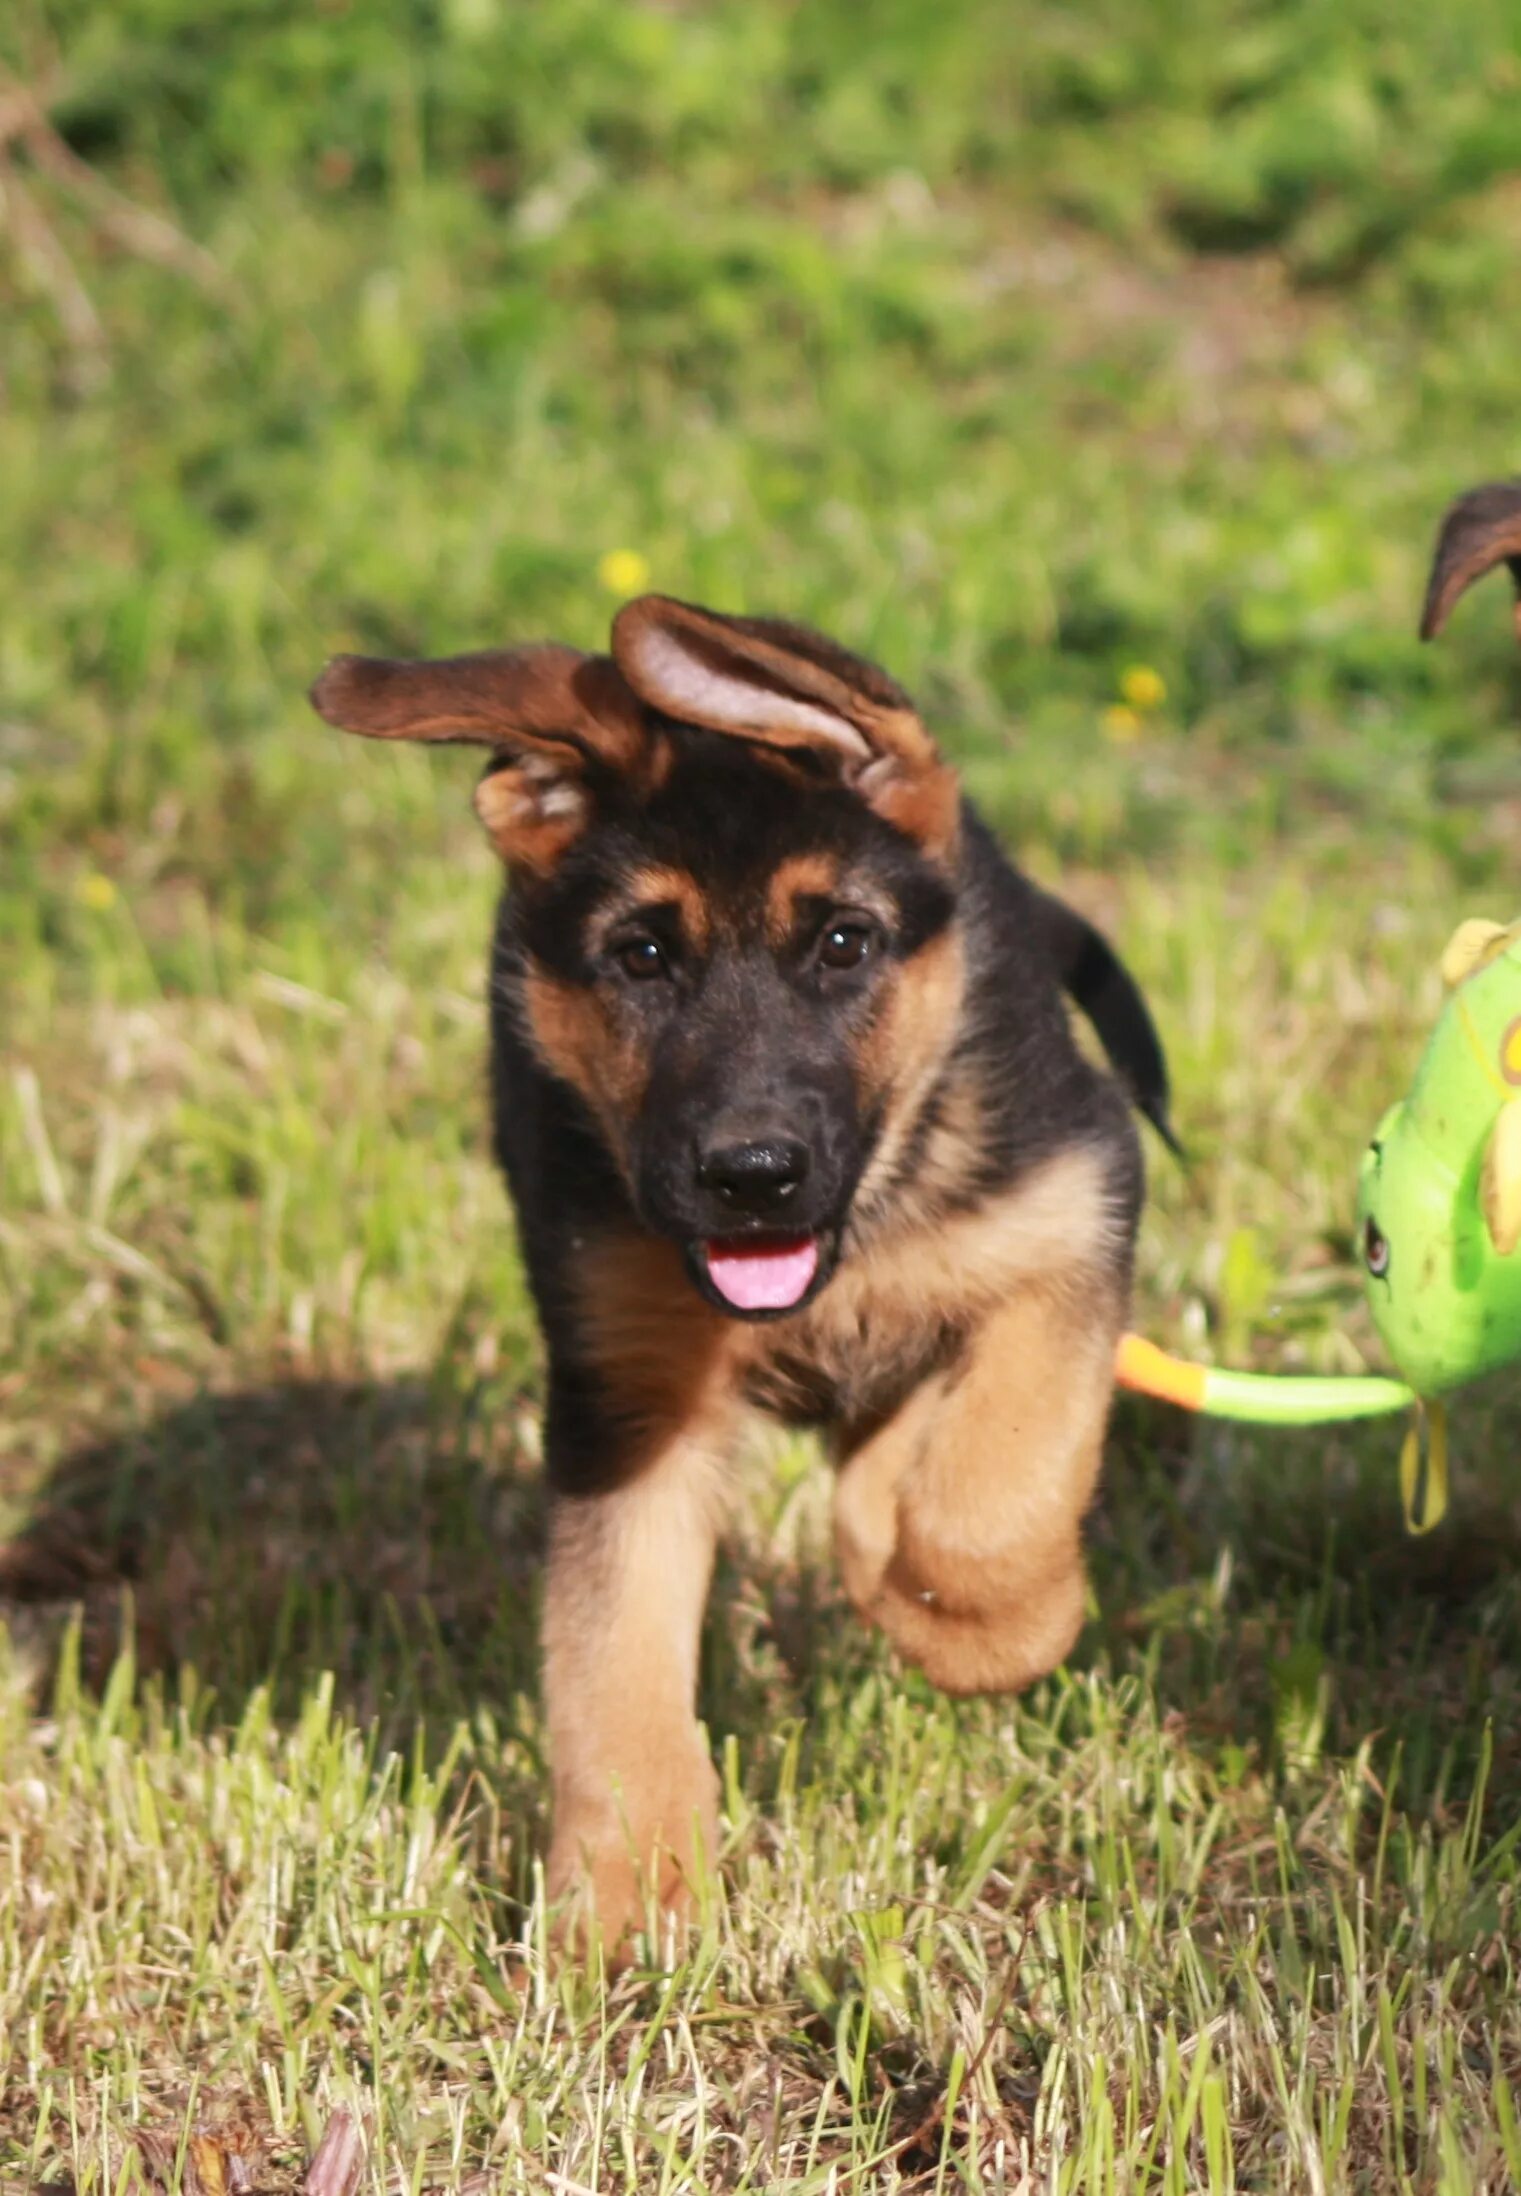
(763, 1276)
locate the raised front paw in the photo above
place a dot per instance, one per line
(965, 1643)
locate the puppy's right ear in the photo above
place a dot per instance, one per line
(559, 720)
(1480, 530)
(786, 688)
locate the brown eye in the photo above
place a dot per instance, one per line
(844, 945)
(641, 958)
(1375, 1249)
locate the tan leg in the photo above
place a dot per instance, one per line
(958, 1523)
(635, 1793)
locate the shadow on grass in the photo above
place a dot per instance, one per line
(376, 1531)
(392, 1535)
(1248, 1569)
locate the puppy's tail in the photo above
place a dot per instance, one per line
(1097, 980)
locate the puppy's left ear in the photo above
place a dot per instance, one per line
(564, 726)
(1482, 529)
(788, 688)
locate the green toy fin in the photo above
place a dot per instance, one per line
(1470, 946)
(1423, 1468)
(1500, 1180)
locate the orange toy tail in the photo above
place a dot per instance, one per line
(1139, 1364)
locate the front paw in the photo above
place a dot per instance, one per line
(963, 1646)
(613, 1871)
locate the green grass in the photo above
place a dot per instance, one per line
(1019, 346)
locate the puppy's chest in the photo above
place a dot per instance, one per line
(847, 1365)
(909, 1306)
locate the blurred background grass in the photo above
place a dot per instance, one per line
(1014, 343)
(1104, 370)
(1032, 349)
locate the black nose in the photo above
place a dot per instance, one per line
(755, 1178)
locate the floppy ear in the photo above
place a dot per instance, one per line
(1481, 530)
(557, 718)
(1500, 1180)
(787, 688)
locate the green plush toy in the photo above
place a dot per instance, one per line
(1438, 1230)
(1439, 1191)
(1439, 1194)
(1439, 1202)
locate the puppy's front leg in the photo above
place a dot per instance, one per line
(959, 1522)
(635, 1793)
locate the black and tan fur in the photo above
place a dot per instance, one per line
(761, 977)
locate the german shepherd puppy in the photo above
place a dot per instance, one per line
(794, 1122)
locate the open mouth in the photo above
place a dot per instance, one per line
(761, 1274)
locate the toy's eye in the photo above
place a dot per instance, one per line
(845, 945)
(641, 958)
(1375, 1248)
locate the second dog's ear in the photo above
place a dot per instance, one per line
(1480, 530)
(556, 717)
(785, 687)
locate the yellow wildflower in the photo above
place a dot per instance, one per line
(1121, 724)
(1143, 688)
(94, 890)
(624, 572)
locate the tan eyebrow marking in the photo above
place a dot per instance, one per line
(816, 874)
(659, 884)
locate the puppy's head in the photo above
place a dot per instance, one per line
(733, 849)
